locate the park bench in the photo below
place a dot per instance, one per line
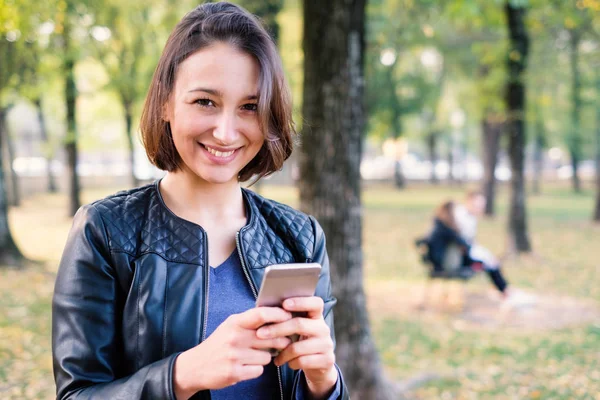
(447, 284)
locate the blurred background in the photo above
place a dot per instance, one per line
(439, 76)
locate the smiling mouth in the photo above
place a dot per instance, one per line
(217, 153)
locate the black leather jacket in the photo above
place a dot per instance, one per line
(132, 287)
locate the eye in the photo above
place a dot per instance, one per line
(205, 103)
(250, 107)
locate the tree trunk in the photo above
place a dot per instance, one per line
(515, 105)
(574, 140)
(9, 253)
(451, 179)
(71, 139)
(491, 127)
(129, 127)
(396, 106)
(6, 164)
(399, 179)
(15, 198)
(597, 206)
(538, 152)
(432, 140)
(52, 188)
(538, 164)
(330, 175)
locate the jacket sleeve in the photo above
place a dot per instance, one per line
(453, 235)
(323, 287)
(86, 325)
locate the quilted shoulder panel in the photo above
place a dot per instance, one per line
(138, 222)
(277, 233)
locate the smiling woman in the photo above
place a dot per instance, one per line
(212, 113)
(145, 305)
(205, 56)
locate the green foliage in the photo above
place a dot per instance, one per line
(268, 11)
(398, 84)
(129, 54)
(408, 97)
(18, 36)
(471, 36)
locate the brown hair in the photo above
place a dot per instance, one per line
(445, 213)
(203, 26)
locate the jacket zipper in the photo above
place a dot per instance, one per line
(254, 292)
(206, 289)
(206, 286)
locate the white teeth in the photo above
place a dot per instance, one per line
(219, 153)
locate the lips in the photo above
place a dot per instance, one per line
(219, 155)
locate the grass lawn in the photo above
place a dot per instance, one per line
(484, 363)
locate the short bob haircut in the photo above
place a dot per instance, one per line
(205, 25)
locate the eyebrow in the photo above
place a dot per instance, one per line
(218, 93)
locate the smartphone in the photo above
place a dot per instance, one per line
(282, 281)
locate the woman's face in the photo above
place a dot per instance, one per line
(213, 113)
(476, 205)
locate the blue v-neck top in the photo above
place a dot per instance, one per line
(230, 293)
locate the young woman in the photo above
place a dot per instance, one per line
(155, 292)
(446, 247)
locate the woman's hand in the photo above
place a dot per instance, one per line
(314, 352)
(233, 353)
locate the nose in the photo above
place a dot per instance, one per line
(225, 131)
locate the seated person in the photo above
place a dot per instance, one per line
(446, 247)
(452, 241)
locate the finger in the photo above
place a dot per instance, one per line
(258, 316)
(301, 326)
(250, 357)
(246, 372)
(278, 343)
(322, 362)
(319, 345)
(313, 306)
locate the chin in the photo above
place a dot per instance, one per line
(217, 179)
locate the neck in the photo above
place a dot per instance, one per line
(202, 202)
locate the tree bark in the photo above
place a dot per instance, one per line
(515, 105)
(491, 128)
(538, 152)
(52, 188)
(597, 206)
(6, 164)
(9, 253)
(330, 175)
(451, 178)
(574, 140)
(15, 192)
(70, 100)
(396, 106)
(129, 131)
(432, 140)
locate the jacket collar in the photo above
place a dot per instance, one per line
(267, 238)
